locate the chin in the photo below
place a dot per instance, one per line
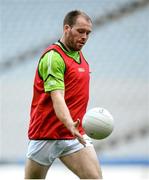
(75, 49)
(78, 49)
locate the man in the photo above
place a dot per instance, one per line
(61, 90)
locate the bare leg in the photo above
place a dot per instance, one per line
(34, 170)
(83, 163)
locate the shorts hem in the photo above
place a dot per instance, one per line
(70, 152)
(39, 162)
(76, 150)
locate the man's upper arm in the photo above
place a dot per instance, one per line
(57, 94)
(51, 69)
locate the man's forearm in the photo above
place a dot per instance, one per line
(63, 114)
(61, 109)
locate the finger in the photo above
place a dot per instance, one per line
(76, 124)
(82, 141)
(80, 138)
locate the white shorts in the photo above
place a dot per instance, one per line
(46, 151)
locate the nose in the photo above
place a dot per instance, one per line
(84, 36)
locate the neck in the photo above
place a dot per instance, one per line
(63, 45)
(62, 41)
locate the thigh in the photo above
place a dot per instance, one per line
(84, 163)
(34, 170)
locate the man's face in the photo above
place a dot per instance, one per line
(77, 35)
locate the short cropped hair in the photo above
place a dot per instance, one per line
(72, 16)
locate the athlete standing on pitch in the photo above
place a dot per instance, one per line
(61, 92)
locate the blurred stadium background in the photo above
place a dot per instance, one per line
(118, 52)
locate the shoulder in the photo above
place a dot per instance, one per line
(51, 56)
(51, 63)
(51, 59)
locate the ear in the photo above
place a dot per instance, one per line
(66, 27)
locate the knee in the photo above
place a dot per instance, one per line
(92, 175)
(95, 176)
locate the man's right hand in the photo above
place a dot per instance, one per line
(75, 132)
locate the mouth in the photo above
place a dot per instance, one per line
(81, 43)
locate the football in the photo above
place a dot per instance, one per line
(98, 123)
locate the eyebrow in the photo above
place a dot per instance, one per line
(89, 31)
